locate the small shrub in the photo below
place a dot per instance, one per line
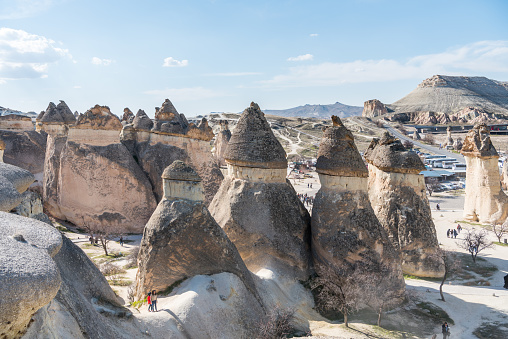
(277, 324)
(108, 269)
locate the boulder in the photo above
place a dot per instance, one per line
(346, 233)
(142, 121)
(277, 238)
(398, 196)
(25, 149)
(29, 278)
(182, 240)
(485, 201)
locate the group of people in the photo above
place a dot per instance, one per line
(306, 199)
(152, 301)
(452, 233)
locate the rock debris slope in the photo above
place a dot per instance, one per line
(255, 205)
(346, 234)
(398, 196)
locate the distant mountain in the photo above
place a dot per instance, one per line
(451, 94)
(318, 111)
(7, 111)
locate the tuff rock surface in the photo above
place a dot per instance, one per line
(373, 108)
(485, 201)
(29, 278)
(398, 196)
(13, 182)
(345, 231)
(255, 205)
(221, 142)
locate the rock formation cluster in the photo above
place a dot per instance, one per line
(398, 196)
(16, 122)
(277, 237)
(346, 233)
(449, 140)
(182, 240)
(485, 201)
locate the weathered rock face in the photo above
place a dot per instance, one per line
(31, 207)
(16, 122)
(113, 190)
(373, 108)
(277, 237)
(485, 201)
(221, 142)
(398, 196)
(345, 231)
(25, 149)
(155, 145)
(504, 176)
(182, 240)
(13, 182)
(415, 135)
(98, 118)
(29, 278)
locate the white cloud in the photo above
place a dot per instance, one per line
(76, 87)
(313, 34)
(474, 59)
(18, 9)
(171, 62)
(25, 55)
(102, 62)
(185, 94)
(304, 57)
(233, 74)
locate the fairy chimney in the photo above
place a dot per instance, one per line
(398, 196)
(255, 205)
(485, 201)
(345, 231)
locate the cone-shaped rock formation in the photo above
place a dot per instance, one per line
(398, 196)
(259, 211)
(345, 231)
(182, 240)
(485, 201)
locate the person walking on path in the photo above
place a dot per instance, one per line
(121, 241)
(448, 233)
(154, 301)
(455, 234)
(445, 329)
(149, 300)
(459, 228)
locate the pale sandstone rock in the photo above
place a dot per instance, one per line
(29, 278)
(485, 201)
(504, 176)
(16, 122)
(99, 118)
(256, 207)
(25, 149)
(416, 135)
(398, 196)
(345, 231)
(449, 139)
(221, 142)
(103, 185)
(2, 149)
(182, 240)
(373, 108)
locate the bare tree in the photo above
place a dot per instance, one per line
(429, 138)
(448, 262)
(381, 293)
(500, 230)
(98, 233)
(407, 144)
(432, 185)
(474, 242)
(339, 291)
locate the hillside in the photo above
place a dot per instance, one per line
(443, 99)
(318, 111)
(451, 94)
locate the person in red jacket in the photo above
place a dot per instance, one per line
(149, 300)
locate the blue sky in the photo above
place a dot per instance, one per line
(220, 55)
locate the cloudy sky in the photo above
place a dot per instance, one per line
(219, 55)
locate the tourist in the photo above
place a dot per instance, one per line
(154, 301)
(448, 233)
(506, 281)
(455, 234)
(437, 207)
(459, 228)
(445, 329)
(121, 241)
(149, 301)
(91, 240)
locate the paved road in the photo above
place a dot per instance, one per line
(429, 148)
